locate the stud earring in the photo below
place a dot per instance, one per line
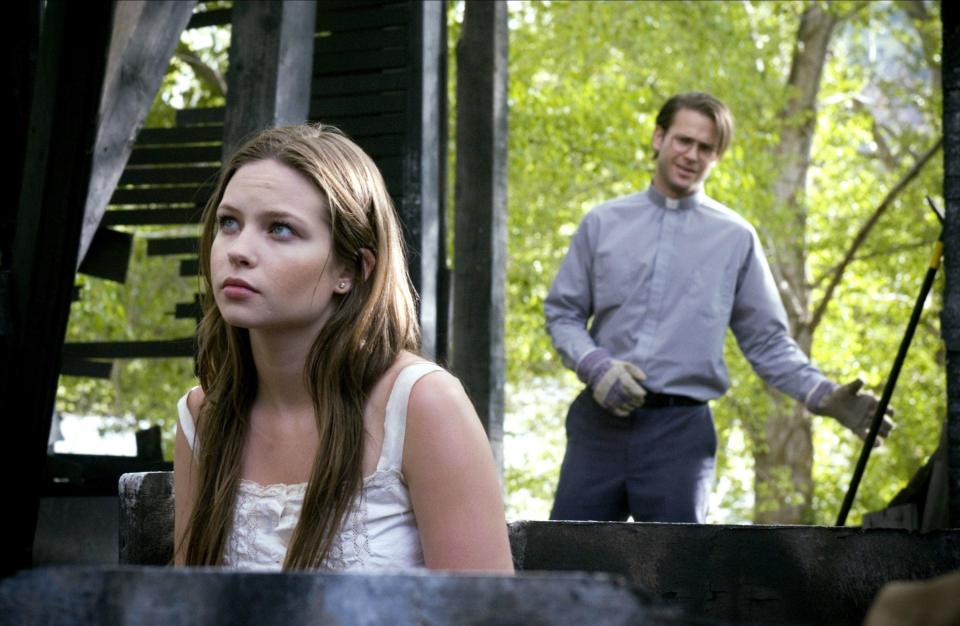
(342, 284)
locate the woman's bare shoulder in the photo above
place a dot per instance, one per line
(195, 399)
(438, 402)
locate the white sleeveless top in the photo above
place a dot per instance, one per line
(379, 531)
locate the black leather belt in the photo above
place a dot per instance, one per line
(659, 400)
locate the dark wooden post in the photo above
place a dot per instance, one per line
(950, 317)
(145, 35)
(46, 220)
(380, 76)
(424, 167)
(481, 212)
(271, 61)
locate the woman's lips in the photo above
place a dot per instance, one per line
(237, 289)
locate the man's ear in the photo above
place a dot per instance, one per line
(657, 142)
(368, 262)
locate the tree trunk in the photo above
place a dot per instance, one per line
(784, 461)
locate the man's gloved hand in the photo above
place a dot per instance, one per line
(615, 384)
(849, 407)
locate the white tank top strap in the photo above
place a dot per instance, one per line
(186, 422)
(395, 420)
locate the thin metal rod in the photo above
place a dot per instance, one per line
(891, 383)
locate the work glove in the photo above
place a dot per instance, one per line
(851, 408)
(615, 384)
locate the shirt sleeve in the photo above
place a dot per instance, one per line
(569, 303)
(759, 322)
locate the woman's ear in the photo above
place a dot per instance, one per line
(368, 261)
(345, 280)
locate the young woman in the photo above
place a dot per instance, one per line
(317, 437)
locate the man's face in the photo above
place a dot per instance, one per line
(687, 153)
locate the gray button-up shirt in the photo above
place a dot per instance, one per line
(660, 280)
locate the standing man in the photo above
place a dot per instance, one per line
(660, 275)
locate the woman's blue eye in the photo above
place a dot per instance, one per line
(281, 230)
(227, 223)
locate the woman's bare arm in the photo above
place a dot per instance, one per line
(184, 486)
(452, 479)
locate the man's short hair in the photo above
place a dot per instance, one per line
(704, 104)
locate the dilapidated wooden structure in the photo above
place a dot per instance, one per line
(374, 68)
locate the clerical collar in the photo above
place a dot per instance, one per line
(687, 202)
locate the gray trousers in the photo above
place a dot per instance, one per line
(656, 465)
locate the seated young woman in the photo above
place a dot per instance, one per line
(318, 438)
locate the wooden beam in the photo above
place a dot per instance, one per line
(24, 44)
(271, 61)
(87, 368)
(481, 212)
(950, 316)
(424, 165)
(57, 164)
(145, 35)
(108, 256)
(155, 349)
(177, 135)
(139, 217)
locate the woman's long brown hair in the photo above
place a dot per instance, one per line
(372, 323)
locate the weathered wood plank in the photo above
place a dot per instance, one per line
(422, 185)
(195, 174)
(189, 267)
(392, 170)
(393, 79)
(383, 146)
(108, 256)
(168, 155)
(145, 35)
(197, 117)
(481, 212)
(187, 135)
(335, 63)
(85, 368)
(372, 39)
(68, 70)
(270, 68)
(157, 349)
(196, 196)
(332, 6)
(173, 245)
(143, 217)
(384, 103)
(363, 19)
(950, 314)
(189, 310)
(357, 126)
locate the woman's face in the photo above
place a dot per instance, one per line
(271, 263)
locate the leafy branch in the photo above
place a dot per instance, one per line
(864, 231)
